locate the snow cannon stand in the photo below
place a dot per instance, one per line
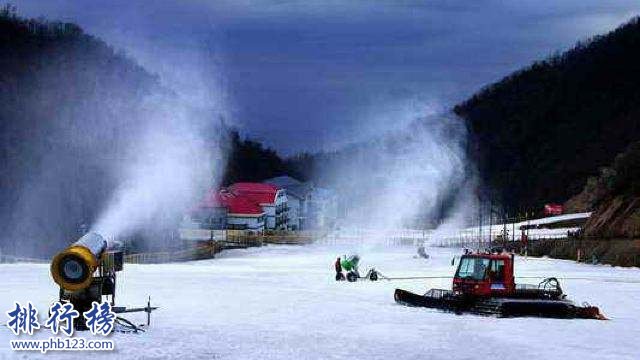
(86, 273)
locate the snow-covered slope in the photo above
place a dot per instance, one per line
(554, 219)
(514, 229)
(282, 303)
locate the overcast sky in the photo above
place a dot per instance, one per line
(311, 75)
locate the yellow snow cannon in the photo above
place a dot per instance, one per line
(73, 267)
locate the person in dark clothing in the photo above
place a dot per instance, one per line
(339, 274)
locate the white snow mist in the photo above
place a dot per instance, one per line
(409, 178)
(164, 170)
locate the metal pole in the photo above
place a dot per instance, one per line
(490, 219)
(504, 228)
(526, 248)
(479, 225)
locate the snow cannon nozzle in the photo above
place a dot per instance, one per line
(73, 267)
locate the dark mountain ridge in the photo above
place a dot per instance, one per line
(68, 103)
(539, 133)
(70, 106)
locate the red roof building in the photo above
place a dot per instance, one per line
(235, 204)
(221, 209)
(258, 192)
(252, 206)
(271, 198)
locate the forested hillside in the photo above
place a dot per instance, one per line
(70, 107)
(539, 133)
(614, 195)
(249, 160)
(68, 102)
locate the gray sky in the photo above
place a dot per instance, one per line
(311, 75)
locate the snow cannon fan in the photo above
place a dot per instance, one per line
(86, 272)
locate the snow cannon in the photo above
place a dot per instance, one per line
(86, 272)
(350, 265)
(73, 267)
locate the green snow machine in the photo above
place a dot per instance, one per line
(350, 265)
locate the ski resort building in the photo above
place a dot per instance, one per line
(270, 198)
(243, 214)
(309, 206)
(253, 207)
(221, 209)
(298, 198)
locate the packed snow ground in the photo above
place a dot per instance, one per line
(282, 302)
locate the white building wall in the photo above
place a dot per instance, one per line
(294, 212)
(255, 223)
(282, 204)
(270, 216)
(273, 215)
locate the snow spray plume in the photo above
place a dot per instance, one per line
(462, 214)
(168, 167)
(97, 139)
(411, 177)
(178, 152)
